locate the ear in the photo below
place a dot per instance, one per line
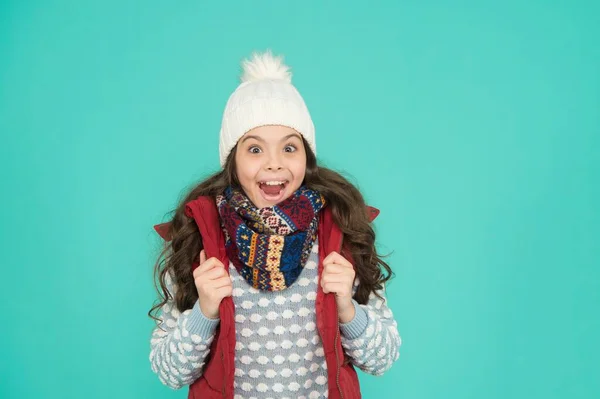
(372, 212)
(164, 230)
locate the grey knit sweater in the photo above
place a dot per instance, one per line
(278, 349)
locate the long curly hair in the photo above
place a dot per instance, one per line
(178, 254)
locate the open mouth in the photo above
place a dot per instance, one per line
(272, 190)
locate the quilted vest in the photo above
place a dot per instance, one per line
(217, 378)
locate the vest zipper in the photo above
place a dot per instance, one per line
(337, 333)
(337, 359)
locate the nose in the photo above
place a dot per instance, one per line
(273, 163)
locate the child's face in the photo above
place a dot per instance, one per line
(270, 154)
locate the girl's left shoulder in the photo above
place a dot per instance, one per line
(373, 212)
(164, 230)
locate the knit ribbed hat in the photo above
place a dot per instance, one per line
(265, 96)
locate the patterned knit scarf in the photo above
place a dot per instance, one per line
(269, 246)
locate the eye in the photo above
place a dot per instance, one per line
(254, 150)
(290, 148)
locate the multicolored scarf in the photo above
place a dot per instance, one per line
(269, 246)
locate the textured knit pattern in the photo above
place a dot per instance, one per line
(278, 350)
(269, 246)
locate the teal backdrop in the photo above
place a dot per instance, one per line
(473, 125)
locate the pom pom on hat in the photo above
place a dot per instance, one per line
(265, 66)
(265, 96)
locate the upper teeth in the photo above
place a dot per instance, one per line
(273, 183)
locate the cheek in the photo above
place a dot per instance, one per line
(243, 176)
(299, 170)
(246, 172)
(299, 175)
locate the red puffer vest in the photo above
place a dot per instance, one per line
(217, 378)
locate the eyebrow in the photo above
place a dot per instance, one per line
(262, 140)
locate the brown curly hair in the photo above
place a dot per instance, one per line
(185, 244)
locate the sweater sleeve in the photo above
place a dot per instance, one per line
(371, 339)
(180, 343)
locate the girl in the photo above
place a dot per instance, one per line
(261, 296)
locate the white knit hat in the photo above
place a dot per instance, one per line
(266, 96)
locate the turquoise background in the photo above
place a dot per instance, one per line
(473, 125)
